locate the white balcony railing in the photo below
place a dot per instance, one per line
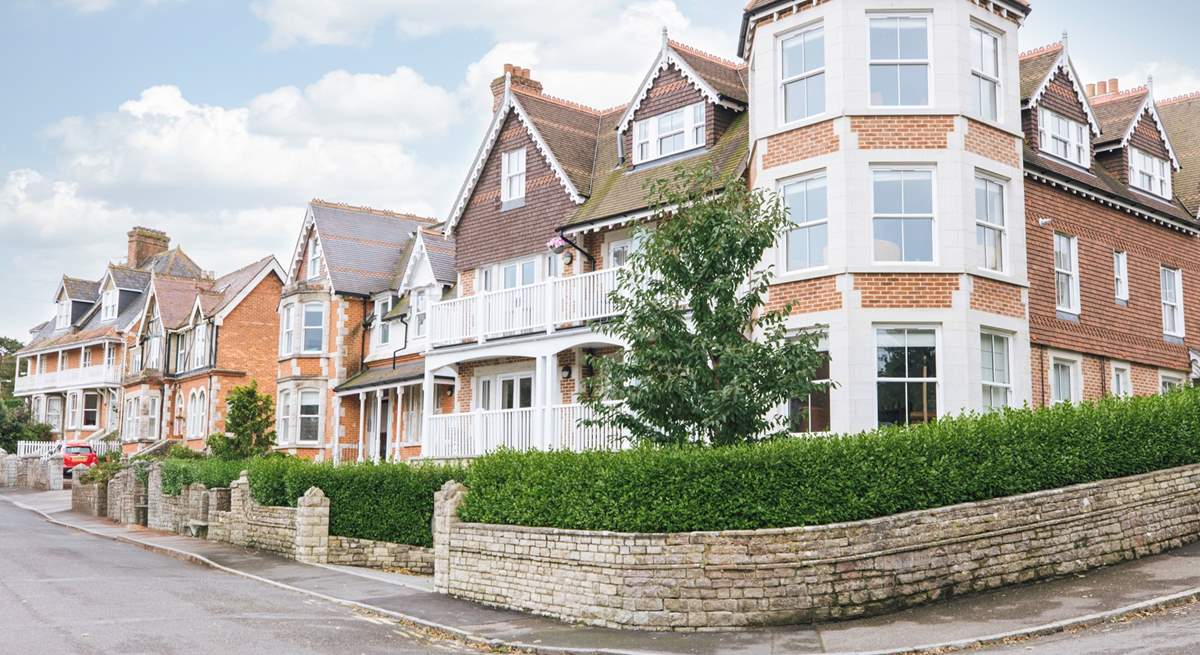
(71, 378)
(472, 434)
(542, 307)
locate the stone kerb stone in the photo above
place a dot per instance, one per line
(733, 579)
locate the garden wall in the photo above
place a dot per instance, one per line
(126, 498)
(90, 499)
(380, 554)
(723, 580)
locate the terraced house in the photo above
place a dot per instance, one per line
(353, 326)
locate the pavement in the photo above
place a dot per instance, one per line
(992, 618)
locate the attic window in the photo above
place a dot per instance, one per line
(669, 133)
(63, 318)
(1063, 138)
(108, 305)
(1149, 173)
(314, 258)
(512, 175)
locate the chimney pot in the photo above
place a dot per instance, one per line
(1101, 88)
(1091, 90)
(1113, 85)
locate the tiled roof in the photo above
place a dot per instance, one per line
(362, 246)
(623, 189)
(82, 290)
(440, 251)
(1116, 112)
(569, 130)
(175, 298)
(1035, 67)
(1181, 118)
(228, 286)
(404, 372)
(129, 278)
(727, 77)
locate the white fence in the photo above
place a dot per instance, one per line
(560, 427)
(43, 448)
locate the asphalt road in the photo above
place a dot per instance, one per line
(1173, 631)
(63, 591)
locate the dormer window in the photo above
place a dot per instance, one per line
(1149, 173)
(669, 133)
(1063, 138)
(108, 305)
(63, 318)
(314, 258)
(512, 175)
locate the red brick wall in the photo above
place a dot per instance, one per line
(670, 91)
(799, 144)
(906, 289)
(1059, 97)
(988, 295)
(1146, 138)
(1097, 377)
(997, 145)
(484, 234)
(248, 339)
(902, 132)
(815, 295)
(1133, 332)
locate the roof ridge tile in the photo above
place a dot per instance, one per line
(371, 210)
(570, 104)
(1119, 95)
(706, 55)
(1178, 99)
(1057, 45)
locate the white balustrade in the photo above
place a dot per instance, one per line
(471, 434)
(570, 433)
(453, 321)
(88, 376)
(585, 297)
(514, 311)
(451, 435)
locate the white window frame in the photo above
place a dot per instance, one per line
(287, 331)
(512, 175)
(823, 350)
(937, 356)
(1121, 275)
(300, 415)
(314, 258)
(83, 411)
(614, 247)
(283, 430)
(932, 217)
(1074, 363)
(1077, 143)
(85, 358)
(809, 225)
(927, 61)
(199, 345)
(646, 133)
(73, 409)
(986, 223)
(1116, 371)
(420, 312)
(1072, 248)
(62, 317)
(1168, 380)
(383, 330)
(980, 77)
(1158, 170)
(305, 328)
(110, 356)
(988, 386)
(1173, 304)
(108, 304)
(807, 76)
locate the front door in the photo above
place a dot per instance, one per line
(516, 392)
(518, 307)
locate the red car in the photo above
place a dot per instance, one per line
(76, 453)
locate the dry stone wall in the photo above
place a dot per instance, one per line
(723, 580)
(90, 499)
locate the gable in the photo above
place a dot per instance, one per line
(1059, 96)
(1147, 138)
(671, 90)
(484, 233)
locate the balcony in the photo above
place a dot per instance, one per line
(71, 378)
(558, 427)
(543, 307)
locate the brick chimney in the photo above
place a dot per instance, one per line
(1103, 88)
(520, 77)
(145, 243)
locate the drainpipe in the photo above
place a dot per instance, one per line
(405, 346)
(576, 246)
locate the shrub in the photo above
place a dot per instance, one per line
(249, 425)
(180, 451)
(211, 472)
(384, 502)
(106, 469)
(797, 482)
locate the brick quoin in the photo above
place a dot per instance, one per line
(988, 295)
(902, 132)
(905, 290)
(800, 143)
(997, 145)
(815, 295)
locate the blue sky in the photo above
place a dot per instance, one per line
(216, 120)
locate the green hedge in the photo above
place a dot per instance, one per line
(384, 502)
(797, 482)
(179, 473)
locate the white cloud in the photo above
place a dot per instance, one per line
(1171, 78)
(95, 6)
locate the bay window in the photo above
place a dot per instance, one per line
(811, 413)
(310, 415)
(903, 215)
(283, 431)
(287, 330)
(989, 223)
(802, 74)
(808, 207)
(899, 61)
(314, 327)
(906, 375)
(995, 371)
(985, 73)
(91, 410)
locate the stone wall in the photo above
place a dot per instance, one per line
(11, 470)
(300, 533)
(178, 513)
(126, 498)
(90, 499)
(723, 580)
(380, 554)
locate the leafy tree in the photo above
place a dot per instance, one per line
(17, 424)
(249, 425)
(8, 365)
(705, 362)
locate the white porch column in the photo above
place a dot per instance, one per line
(362, 422)
(398, 436)
(336, 439)
(426, 410)
(553, 397)
(379, 427)
(539, 402)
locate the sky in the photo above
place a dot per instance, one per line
(217, 120)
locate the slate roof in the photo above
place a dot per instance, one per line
(1035, 67)
(1116, 113)
(363, 246)
(228, 286)
(623, 189)
(440, 250)
(1181, 118)
(172, 262)
(129, 278)
(404, 372)
(82, 290)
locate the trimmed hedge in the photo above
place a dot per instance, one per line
(798, 482)
(384, 502)
(179, 473)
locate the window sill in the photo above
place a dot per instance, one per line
(515, 203)
(1121, 302)
(667, 159)
(1063, 315)
(1176, 339)
(1000, 276)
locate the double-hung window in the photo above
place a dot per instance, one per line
(669, 133)
(63, 318)
(899, 61)
(808, 207)
(1122, 379)
(808, 414)
(73, 410)
(91, 410)
(181, 352)
(1064, 380)
(512, 175)
(903, 215)
(1171, 285)
(989, 223)
(995, 372)
(283, 432)
(200, 345)
(383, 332)
(985, 73)
(1121, 275)
(310, 415)
(314, 258)
(802, 74)
(287, 327)
(1063, 138)
(1149, 173)
(420, 312)
(906, 375)
(85, 358)
(314, 327)
(1066, 273)
(1168, 382)
(108, 305)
